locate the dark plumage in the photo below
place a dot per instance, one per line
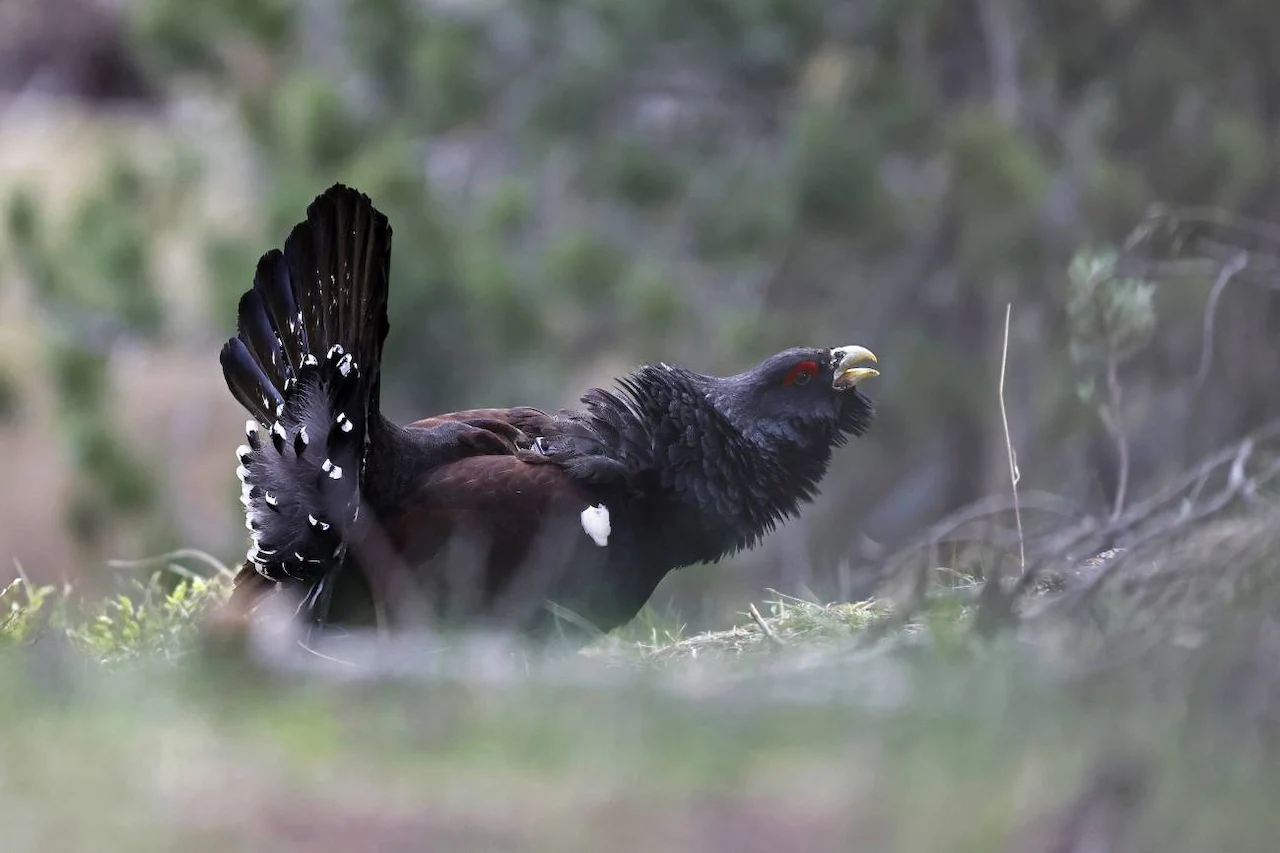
(497, 517)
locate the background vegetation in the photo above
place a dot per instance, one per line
(580, 185)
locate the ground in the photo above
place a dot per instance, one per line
(130, 728)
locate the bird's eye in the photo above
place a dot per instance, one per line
(801, 373)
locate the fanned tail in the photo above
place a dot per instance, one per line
(305, 364)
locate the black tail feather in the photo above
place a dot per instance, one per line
(258, 334)
(276, 289)
(251, 387)
(306, 363)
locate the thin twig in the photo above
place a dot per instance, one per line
(559, 611)
(1014, 474)
(982, 509)
(165, 560)
(1237, 484)
(1140, 512)
(1110, 415)
(1228, 271)
(22, 575)
(764, 626)
(322, 656)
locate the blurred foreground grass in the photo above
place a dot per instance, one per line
(124, 730)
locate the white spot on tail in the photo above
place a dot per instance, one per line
(243, 473)
(309, 360)
(595, 521)
(344, 364)
(343, 423)
(243, 451)
(334, 471)
(303, 437)
(271, 499)
(336, 349)
(251, 428)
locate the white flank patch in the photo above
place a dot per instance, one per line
(595, 521)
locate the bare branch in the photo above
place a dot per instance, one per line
(1169, 231)
(1238, 484)
(1228, 271)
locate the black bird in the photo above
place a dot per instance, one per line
(507, 518)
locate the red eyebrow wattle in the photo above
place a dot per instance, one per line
(809, 367)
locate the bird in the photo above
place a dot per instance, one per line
(543, 524)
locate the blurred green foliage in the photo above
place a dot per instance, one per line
(583, 182)
(92, 279)
(158, 618)
(1112, 317)
(594, 135)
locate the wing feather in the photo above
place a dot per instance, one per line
(495, 537)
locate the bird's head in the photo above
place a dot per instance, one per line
(804, 398)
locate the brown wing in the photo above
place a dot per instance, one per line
(495, 536)
(519, 417)
(519, 425)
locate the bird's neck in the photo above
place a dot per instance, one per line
(730, 480)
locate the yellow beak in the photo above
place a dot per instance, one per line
(846, 372)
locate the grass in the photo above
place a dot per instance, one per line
(786, 621)
(801, 728)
